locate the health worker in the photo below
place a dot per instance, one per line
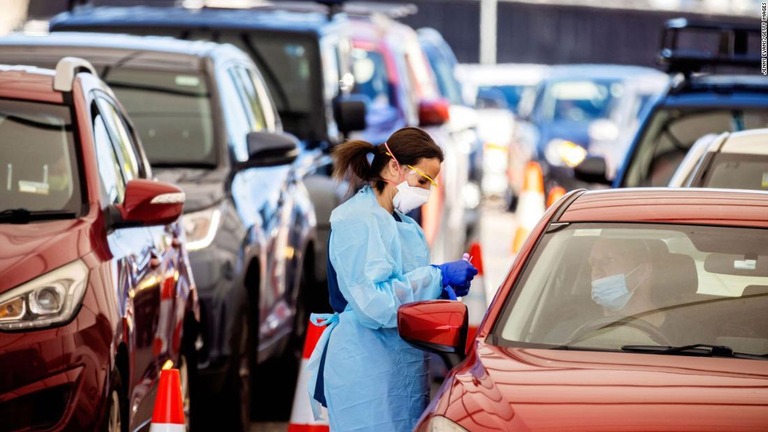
(361, 370)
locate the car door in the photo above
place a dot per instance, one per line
(165, 240)
(139, 264)
(271, 187)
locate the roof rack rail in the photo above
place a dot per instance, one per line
(733, 45)
(66, 69)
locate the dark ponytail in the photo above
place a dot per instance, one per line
(408, 144)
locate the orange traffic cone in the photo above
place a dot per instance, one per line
(554, 194)
(169, 406)
(302, 419)
(530, 207)
(475, 299)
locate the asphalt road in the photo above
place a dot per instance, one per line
(497, 229)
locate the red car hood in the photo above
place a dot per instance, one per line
(30, 250)
(534, 389)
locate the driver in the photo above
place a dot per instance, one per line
(623, 280)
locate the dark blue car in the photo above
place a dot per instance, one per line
(708, 96)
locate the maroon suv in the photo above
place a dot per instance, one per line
(96, 295)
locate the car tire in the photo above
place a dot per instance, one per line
(116, 414)
(234, 404)
(281, 373)
(192, 394)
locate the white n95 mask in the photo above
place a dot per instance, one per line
(410, 197)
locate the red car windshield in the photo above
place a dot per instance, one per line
(609, 286)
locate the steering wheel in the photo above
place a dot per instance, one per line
(607, 323)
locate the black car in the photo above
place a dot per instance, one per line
(731, 97)
(208, 125)
(303, 55)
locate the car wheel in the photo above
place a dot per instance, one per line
(235, 404)
(115, 419)
(280, 374)
(191, 392)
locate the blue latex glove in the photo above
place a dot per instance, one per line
(457, 273)
(448, 293)
(462, 290)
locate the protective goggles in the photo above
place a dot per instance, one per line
(416, 170)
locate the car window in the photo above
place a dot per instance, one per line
(578, 100)
(737, 171)
(703, 285)
(500, 96)
(332, 65)
(38, 158)
(670, 132)
(449, 86)
(238, 121)
(290, 66)
(172, 113)
(372, 78)
(124, 142)
(112, 181)
(249, 97)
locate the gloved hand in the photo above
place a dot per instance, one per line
(457, 273)
(462, 290)
(448, 293)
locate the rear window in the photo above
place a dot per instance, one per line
(38, 158)
(578, 100)
(737, 171)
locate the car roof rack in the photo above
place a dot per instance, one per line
(733, 46)
(66, 69)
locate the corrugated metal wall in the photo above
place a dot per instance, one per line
(552, 34)
(527, 33)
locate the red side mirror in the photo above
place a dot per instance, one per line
(436, 325)
(434, 112)
(150, 202)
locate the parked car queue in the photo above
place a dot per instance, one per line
(96, 287)
(207, 121)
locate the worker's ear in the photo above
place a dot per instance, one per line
(393, 168)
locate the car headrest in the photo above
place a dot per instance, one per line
(755, 291)
(674, 276)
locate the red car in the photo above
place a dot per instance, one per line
(626, 310)
(96, 295)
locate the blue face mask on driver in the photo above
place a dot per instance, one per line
(611, 292)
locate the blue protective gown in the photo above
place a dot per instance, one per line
(373, 380)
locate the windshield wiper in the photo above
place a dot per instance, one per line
(704, 350)
(22, 215)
